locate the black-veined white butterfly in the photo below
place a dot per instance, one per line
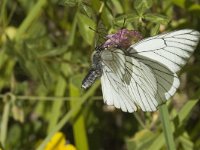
(141, 74)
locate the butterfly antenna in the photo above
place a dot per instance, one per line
(123, 27)
(100, 35)
(97, 32)
(93, 29)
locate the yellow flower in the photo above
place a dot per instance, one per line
(67, 147)
(58, 142)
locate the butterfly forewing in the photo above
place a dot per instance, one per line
(170, 49)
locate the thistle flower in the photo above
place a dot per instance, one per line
(124, 38)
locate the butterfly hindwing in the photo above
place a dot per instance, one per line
(167, 81)
(127, 83)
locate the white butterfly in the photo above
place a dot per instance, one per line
(144, 74)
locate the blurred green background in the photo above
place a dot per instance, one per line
(45, 49)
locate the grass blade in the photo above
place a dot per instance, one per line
(69, 115)
(165, 119)
(5, 117)
(79, 130)
(57, 104)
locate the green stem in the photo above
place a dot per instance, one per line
(5, 117)
(33, 14)
(3, 13)
(138, 118)
(165, 119)
(56, 107)
(69, 115)
(79, 129)
(46, 98)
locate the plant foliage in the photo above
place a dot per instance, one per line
(45, 49)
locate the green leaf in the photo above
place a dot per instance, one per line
(185, 111)
(142, 6)
(156, 18)
(73, 31)
(155, 30)
(167, 127)
(60, 89)
(5, 118)
(179, 119)
(33, 14)
(186, 142)
(100, 9)
(79, 128)
(71, 114)
(54, 52)
(14, 136)
(141, 140)
(32, 64)
(83, 24)
(33, 30)
(70, 3)
(117, 6)
(180, 3)
(129, 18)
(194, 7)
(158, 143)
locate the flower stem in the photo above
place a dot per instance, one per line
(165, 119)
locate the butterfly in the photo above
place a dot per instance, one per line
(141, 74)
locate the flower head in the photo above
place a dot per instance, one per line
(124, 38)
(58, 142)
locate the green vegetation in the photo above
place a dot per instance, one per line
(45, 49)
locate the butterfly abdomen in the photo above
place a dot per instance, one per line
(90, 78)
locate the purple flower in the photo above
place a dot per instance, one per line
(124, 38)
